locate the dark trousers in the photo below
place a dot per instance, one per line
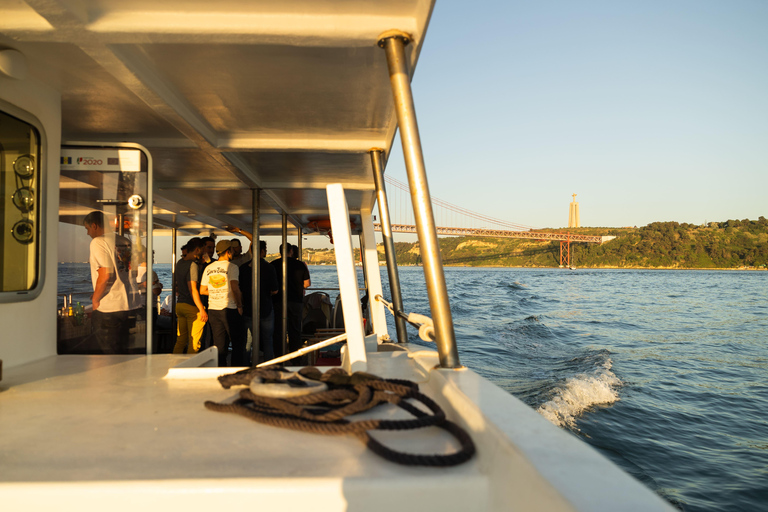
(112, 330)
(207, 340)
(267, 329)
(227, 328)
(266, 344)
(295, 310)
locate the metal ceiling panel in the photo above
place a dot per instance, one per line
(227, 97)
(278, 91)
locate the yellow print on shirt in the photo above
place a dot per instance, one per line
(217, 280)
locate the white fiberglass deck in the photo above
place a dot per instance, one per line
(86, 431)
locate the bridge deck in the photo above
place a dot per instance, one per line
(531, 235)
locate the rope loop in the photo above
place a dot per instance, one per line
(327, 411)
(423, 323)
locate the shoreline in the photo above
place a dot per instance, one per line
(750, 269)
(607, 267)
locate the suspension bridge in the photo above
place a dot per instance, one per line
(453, 220)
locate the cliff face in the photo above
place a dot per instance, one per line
(729, 244)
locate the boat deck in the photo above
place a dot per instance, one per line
(122, 431)
(138, 425)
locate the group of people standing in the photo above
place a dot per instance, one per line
(214, 296)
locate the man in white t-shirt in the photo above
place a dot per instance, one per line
(115, 298)
(225, 305)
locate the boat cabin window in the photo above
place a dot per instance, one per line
(20, 180)
(103, 266)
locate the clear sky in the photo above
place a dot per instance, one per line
(649, 111)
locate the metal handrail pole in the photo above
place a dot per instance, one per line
(361, 241)
(300, 245)
(174, 234)
(389, 243)
(366, 288)
(284, 285)
(149, 278)
(256, 279)
(422, 202)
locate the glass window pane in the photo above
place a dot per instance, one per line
(102, 250)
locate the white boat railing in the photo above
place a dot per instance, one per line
(345, 267)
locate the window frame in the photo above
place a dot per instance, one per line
(41, 206)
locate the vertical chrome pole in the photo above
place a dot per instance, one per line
(394, 44)
(174, 234)
(149, 278)
(256, 280)
(389, 244)
(299, 245)
(284, 286)
(361, 241)
(366, 317)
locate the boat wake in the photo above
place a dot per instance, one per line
(580, 393)
(546, 364)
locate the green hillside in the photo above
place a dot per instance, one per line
(730, 244)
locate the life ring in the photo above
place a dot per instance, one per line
(290, 384)
(127, 223)
(323, 226)
(320, 225)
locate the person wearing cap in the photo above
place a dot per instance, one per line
(225, 305)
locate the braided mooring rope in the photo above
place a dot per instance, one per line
(325, 412)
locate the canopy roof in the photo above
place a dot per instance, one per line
(227, 96)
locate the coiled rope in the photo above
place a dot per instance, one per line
(325, 412)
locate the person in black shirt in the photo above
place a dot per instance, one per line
(190, 312)
(267, 288)
(298, 281)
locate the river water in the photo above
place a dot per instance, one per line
(664, 372)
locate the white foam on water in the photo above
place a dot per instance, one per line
(579, 393)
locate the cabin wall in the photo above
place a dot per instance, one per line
(28, 329)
